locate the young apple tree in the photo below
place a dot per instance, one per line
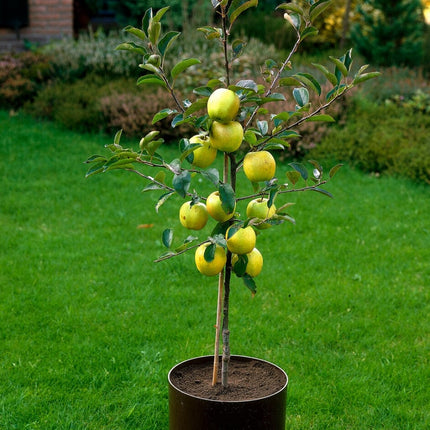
(232, 127)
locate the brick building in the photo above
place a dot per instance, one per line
(35, 21)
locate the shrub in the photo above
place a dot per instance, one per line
(77, 105)
(393, 82)
(91, 53)
(21, 76)
(133, 113)
(381, 139)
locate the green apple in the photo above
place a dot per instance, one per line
(240, 241)
(223, 105)
(258, 208)
(214, 207)
(259, 166)
(203, 156)
(193, 217)
(226, 137)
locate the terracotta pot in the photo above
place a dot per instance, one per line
(195, 412)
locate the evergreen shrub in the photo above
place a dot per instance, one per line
(381, 138)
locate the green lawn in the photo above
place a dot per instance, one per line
(90, 326)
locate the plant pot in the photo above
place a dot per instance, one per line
(254, 400)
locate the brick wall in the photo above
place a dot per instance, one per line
(48, 19)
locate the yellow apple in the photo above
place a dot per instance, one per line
(193, 217)
(254, 264)
(223, 105)
(226, 137)
(259, 166)
(258, 208)
(241, 241)
(214, 207)
(205, 155)
(210, 268)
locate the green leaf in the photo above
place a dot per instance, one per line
(162, 200)
(211, 32)
(203, 91)
(310, 82)
(250, 137)
(95, 158)
(167, 41)
(250, 283)
(132, 47)
(318, 7)
(183, 65)
(334, 170)
(242, 8)
(162, 114)
(291, 7)
(167, 237)
(238, 47)
(151, 147)
(117, 137)
(365, 77)
(189, 149)
(211, 174)
(288, 82)
(199, 104)
(227, 196)
(301, 96)
(181, 183)
(247, 84)
(160, 13)
(96, 168)
(308, 31)
(275, 144)
(135, 32)
(330, 76)
(294, 19)
(123, 163)
(150, 67)
(321, 191)
(339, 65)
(187, 243)
(154, 31)
(219, 239)
(151, 79)
(152, 187)
(301, 169)
(147, 17)
(209, 254)
(240, 266)
(263, 127)
(325, 117)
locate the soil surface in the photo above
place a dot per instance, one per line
(248, 379)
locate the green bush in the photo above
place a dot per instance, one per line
(381, 139)
(91, 53)
(395, 82)
(21, 76)
(77, 105)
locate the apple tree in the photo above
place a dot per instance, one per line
(229, 122)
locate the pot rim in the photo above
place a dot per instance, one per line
(227, 401)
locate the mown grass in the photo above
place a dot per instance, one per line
(90, 326)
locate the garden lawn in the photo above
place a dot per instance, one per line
(90, 325)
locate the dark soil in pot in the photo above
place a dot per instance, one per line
(248, 379)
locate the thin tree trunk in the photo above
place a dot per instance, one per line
(345, 23)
